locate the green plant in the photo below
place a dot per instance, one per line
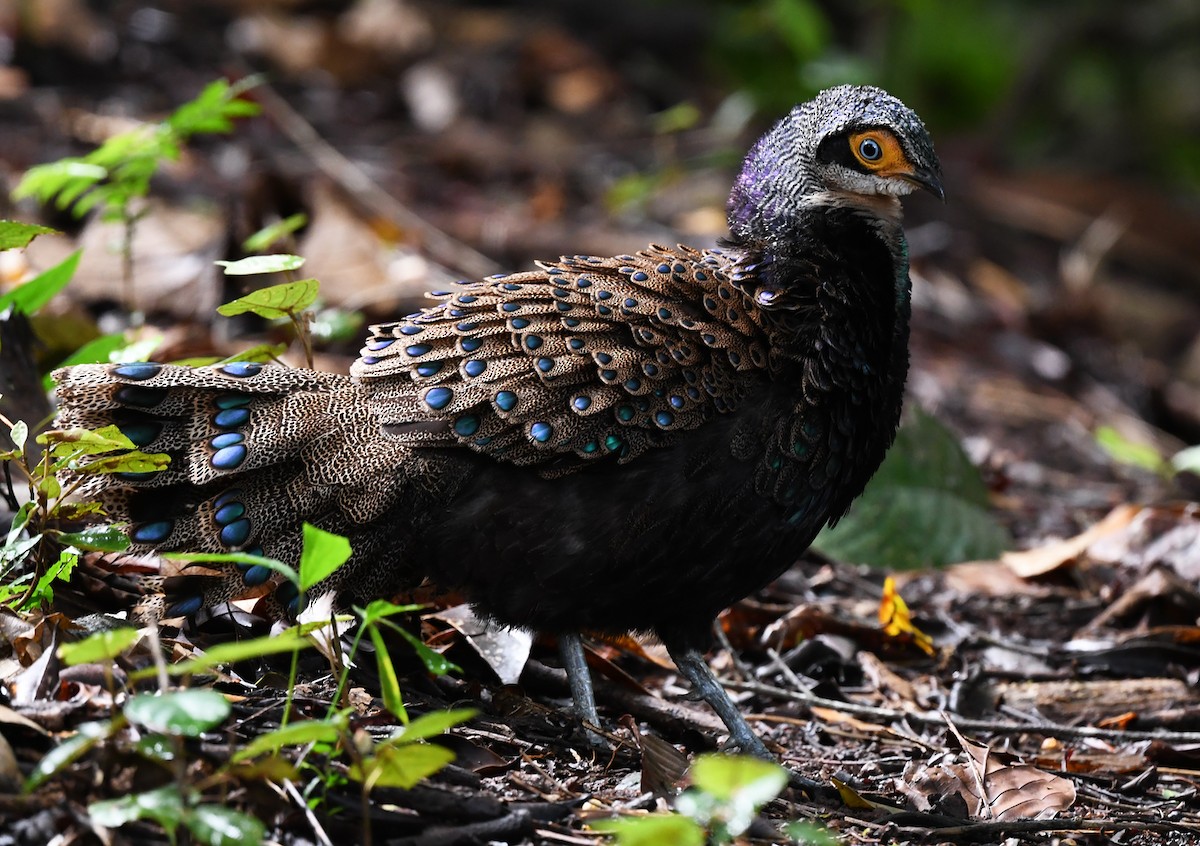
(727, 793)
(169, 718)
(116, 176)
(927, 505)
(289, 300)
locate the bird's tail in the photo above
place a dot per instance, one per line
(255, 451)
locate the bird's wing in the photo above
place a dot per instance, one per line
(580, 359)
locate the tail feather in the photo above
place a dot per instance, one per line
(255, 451)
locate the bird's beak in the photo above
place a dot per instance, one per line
(928, 179)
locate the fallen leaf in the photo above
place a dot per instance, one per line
(1045, 559)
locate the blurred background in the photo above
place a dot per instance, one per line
(1057, 290)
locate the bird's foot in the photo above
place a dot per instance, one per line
(748, 743)
(705, 686)
(580, 680)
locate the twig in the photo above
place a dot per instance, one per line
(994, 726)
(444, 248)
(317, 830)
(990, 830)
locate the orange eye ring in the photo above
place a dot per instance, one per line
(879, 151)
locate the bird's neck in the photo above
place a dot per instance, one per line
(838, 323)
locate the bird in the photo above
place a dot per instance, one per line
(594, 445)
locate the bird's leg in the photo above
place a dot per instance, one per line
(570, 647)
(696, 670)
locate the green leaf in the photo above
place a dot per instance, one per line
(135, 351)
(293, 734)
(738, 778)
(65, 179)
(164, 806)
(278, 566)
(32, 295)
(17, 550)
(19, 432)
(1126, 451)
(653, 830)
(260, 264)
(810, 834)
(102, 538)
(435, 662)
(95, 351)
(181, 713)
(389, 684)
(289, 640)
(15, 235)
(401, 766)
(20, 520)
(70, 750)
(728, 791)
(60, 570)
(216, 825)
(84, 441)
(927, 506)
(432, 724)
(101, 646)
(274, 302)
(259, 352)
(378, 609)
(157, 748)
(50, 487)
(132, 462)
(268, 235)
(323, 553)
(214, 109)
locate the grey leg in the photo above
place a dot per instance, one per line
(574, 662)
(696, 670)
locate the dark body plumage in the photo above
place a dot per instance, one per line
(599, 444)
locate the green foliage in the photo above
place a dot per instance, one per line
(927, 506)
(282, 230)
(327, 731)
(119, 171)
(32, 295)
(214, 825)
(323, 553)
(179, 713)
(291, 640)
(15, 235)
(86, 737)
(289, 300)
(727, 792)
(404, 759)
(254, 265)
(784, 51)
(101, 646)
(653, 830)
(1126, 451)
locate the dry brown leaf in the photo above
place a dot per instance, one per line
(992, 788)
(1047, 558)
(887, 682)
(833, 717)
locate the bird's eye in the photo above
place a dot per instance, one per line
(869, 150)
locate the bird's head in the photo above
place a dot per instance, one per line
(853, 145)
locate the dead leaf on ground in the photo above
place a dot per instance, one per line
(504, 649)
(992, 787)
(1049, 557)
